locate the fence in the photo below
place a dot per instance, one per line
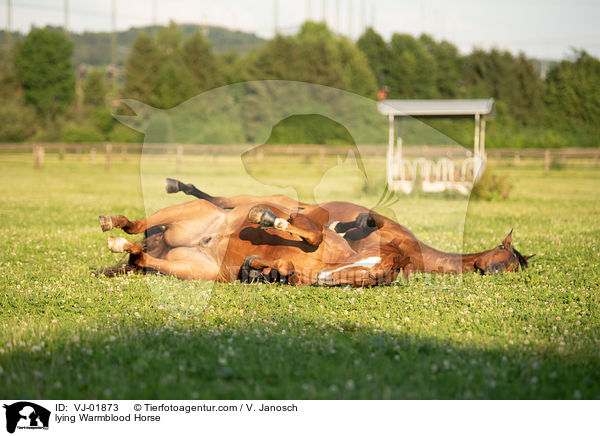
(112, 151)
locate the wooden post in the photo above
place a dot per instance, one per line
(390, 151)
(123, 153)
(517, 158)
(596, 156)
(482, 140)
(61, 152)
(547, 161)
(321, 159)
(399, 144)
(93, 155)
(476, 138)
(38, 156)
(108, 156)
(179, 158)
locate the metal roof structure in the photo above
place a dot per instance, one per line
(437, 107)
(396, 110)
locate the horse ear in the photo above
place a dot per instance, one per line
(507, 241)
(143, 112)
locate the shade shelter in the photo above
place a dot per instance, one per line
(441, 175)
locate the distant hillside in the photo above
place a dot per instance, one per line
(93, 48)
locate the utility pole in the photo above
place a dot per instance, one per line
(373, 15)
(113, 35)
(350, 19)
(337, 16)
(275, 14)
(9, 23)
(153, 16)
(308, 10)
(323, 12)
(363, 16)
(66, 26)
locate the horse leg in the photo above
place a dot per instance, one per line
(173, 185)
(187, 212)
(363, 221)
(259, 268)
(298, 224)
(182, 262)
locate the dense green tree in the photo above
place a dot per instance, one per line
(94, 91)
(142, 69)
(412, 69)
(378, 54)
(315, 55)
(200, 60)
(512, 81)
(573, 92)
(448, 65)
(167, 70)
(45, 71)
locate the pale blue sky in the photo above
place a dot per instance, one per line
(540, 28)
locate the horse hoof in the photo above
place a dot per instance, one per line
(116, 245)
(261, 216)
(331, 225)
(172, 186)
(105, 223)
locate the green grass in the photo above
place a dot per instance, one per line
(67, 334)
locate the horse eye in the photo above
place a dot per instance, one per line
(502, 247)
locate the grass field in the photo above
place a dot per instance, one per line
(67, 334)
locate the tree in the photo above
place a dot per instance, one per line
(314, 55)
(412, 69)
(204, 66)
(142, 69)
(448, 63)
(45, 71)
(94, 91)
(573, 92)
(378, 54)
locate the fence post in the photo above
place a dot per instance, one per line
(179, 158)
(547, 161)
(322, 159)
(38, 155)
(517, 158)
(596, 158)
(108, 156)
(123, 153)
(93, 155)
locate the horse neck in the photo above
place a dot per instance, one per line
(440, 261)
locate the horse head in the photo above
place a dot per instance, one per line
(504, 257)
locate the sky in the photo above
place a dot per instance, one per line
(547, 29)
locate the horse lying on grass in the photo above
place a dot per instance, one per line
(200, 240)
(363, 229)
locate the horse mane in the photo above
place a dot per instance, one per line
(522, 260)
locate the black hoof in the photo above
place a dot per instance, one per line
(172, 186)
(247, 273)
(261, 216)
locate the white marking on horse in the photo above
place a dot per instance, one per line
(280, 224)
(369, 262)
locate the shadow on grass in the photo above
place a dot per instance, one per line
(290, 360)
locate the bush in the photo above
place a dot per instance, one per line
(73, 132)
(18, 122)
(491, 186)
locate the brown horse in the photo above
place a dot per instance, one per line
(200, 240)
(363, 228)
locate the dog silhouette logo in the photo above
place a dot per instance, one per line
(26, 415)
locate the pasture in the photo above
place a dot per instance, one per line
(67, 334)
